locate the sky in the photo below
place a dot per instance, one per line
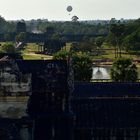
(56, 9)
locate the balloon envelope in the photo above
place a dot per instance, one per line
(69, 8)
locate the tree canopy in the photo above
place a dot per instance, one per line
(8, 48)
(83, 47)
(61, 55)
(6, 26)
(21, 37)
(82, 64)
(126, 35)
(123, 70)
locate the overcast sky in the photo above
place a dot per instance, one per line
(56, 9)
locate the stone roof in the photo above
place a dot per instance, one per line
(106, 89)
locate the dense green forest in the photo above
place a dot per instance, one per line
(64, 27)
(75, 28)
(132, 38)
(7, 26)
(123, 35)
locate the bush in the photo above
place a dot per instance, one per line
(123, 70)
(8, 48)
(82, 65)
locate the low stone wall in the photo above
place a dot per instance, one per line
(13, 107)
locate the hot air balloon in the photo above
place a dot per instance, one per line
(69, 9)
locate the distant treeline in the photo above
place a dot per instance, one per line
(37, 31)
(61, 27)
(42, 37)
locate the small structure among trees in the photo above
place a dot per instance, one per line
(53, 46)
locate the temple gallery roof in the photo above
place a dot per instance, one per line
(109, 89)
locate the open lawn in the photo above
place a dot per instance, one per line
(29, 53)
(108, 52)
(33, 56)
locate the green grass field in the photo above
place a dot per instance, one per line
(36, 57)
(106, 52)
(29, 53)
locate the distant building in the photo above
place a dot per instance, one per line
(53, 46)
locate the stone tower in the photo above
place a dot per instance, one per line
(49, 105)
